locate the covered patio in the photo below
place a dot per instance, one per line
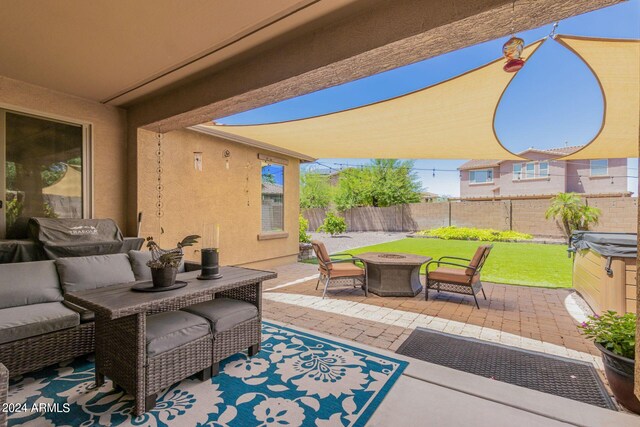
(142, 86)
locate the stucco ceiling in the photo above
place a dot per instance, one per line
(117, 50)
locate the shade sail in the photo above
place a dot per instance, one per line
(616, 65)
(453, 119)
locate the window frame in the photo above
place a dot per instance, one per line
(544, 162)
(489, 171)
(87, 154)
(280, 233)
(606, 168)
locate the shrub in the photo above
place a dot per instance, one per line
(572, 213)
(464, 233)
(614, 332)
(333, 224)
(303, 225)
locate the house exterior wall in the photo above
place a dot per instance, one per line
(510, 185)
(571, 176)
(579, 178)
(108, 139)
(217, 195)
(468, 189)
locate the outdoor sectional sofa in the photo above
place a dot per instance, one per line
(38, 328)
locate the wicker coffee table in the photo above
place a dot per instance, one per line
(121, 352)
(393, 274)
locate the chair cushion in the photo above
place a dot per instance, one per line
(476, 259)
(451, 275)
(17, 323)
(321, 252)
(169, 330)
(141, 270)
(346, 269)
(91, 272)
(224, 313)
(26, 283)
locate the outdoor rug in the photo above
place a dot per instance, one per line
(556, 375)
(295, 380)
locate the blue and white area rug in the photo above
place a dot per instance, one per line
(295, 380)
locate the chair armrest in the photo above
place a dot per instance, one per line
(454, 257)
(341, 254)
(78, 309)
(337, 261)
(439, 263)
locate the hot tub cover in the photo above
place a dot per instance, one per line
(624, 245)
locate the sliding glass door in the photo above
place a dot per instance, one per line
(43, 162)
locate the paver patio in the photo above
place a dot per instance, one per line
(526, 317)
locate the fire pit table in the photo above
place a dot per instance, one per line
(393, 274)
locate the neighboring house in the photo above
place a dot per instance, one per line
(542, 175)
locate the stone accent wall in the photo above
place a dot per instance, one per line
(619, 214)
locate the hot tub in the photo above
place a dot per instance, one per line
(604, 269)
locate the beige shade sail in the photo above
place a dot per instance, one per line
(453, 119)
(616, 65)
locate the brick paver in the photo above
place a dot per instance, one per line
(525, 317)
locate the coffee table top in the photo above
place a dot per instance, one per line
(119, 300)
(393, 258)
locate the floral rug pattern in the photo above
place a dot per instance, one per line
(295, 380)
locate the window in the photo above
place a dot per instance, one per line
(530, 170)
(45, 170)
(543, 168)
(600, 167)
(272, 197)
(517, 170)
(481, 176)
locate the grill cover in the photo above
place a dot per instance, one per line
(624, 245)
(71, 237)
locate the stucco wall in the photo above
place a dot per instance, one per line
(554, 183)
(580, 181)
(229, 197)
(468, 189)
(108, 126)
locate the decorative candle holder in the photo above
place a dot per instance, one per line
(210, 262)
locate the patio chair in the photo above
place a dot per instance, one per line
(463, 280)
(335, 270)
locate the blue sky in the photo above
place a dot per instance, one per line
(553, 100)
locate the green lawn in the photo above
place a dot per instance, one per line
(526, 264)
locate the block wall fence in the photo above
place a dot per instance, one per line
(619, 214)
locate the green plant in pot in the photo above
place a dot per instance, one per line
(164, 263)
(614, 335)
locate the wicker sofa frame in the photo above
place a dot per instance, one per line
(467, 284)
(120, 337)
(4, 390)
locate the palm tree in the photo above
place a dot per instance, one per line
(569, 210)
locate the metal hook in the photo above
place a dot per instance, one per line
(553, 34)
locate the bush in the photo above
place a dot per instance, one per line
(464, 233)
(303, 225)
(333, 224)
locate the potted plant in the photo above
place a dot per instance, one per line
(614, 335)
(164, 262)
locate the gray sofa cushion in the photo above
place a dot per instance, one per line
(28, 321)
(224, 313)
(26, 283)
(169, 330)
(139, 266)
(91, 272)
